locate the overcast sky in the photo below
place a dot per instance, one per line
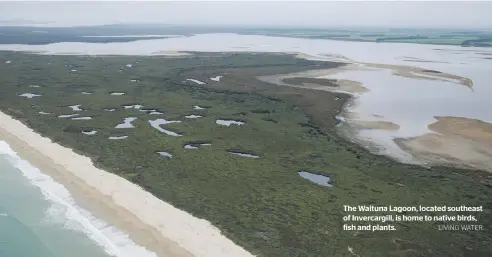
(325, 14)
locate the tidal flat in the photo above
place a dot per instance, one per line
(262, 204)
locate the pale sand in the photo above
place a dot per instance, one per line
(380, 124)
(420, 73)
(153, 223)
(343, 85)
(398, 70)
(171, 53)
(461, 142)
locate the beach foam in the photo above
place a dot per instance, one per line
(64, 210)
(197, 236)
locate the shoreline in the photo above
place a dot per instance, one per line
(420, 150)
(150, 222)
(453, 141)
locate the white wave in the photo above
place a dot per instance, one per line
(65, 211)
(3, 215)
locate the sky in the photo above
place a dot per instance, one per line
(438, 14)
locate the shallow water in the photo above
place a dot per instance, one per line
(228, 123)
(127, 123)
(196, 81)
(165, 154)
(315, 178)
(38, 217)
(245, 155)
(117, 137)
(157, 125)
(193, 116)
(82, 118)
(67, 115)
(216, 78)
(90, 133)
(75, 108)
(29, 95)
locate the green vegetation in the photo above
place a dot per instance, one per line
(301, 81)
(262, 204)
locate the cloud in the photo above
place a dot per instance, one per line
(319, 14)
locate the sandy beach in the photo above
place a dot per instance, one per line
(457, 141)
(152, 223)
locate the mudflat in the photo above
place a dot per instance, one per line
(458, 141)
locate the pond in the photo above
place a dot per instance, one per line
(315, 178)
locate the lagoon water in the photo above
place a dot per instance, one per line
(411, 103)
(38, 217)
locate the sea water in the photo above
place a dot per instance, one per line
(38, 218)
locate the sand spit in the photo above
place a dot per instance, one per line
(321, 57)
(318, 80)
(179, 230)
(398, 70)
(379, 124)
(419, 73)
(171, 53)
(461, 142)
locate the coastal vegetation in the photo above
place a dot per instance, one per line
(261, 203)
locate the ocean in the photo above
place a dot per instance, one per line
(38, 218)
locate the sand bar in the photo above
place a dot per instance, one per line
(378, 124)
(313, 79)
(157, 225)
(457, 141)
